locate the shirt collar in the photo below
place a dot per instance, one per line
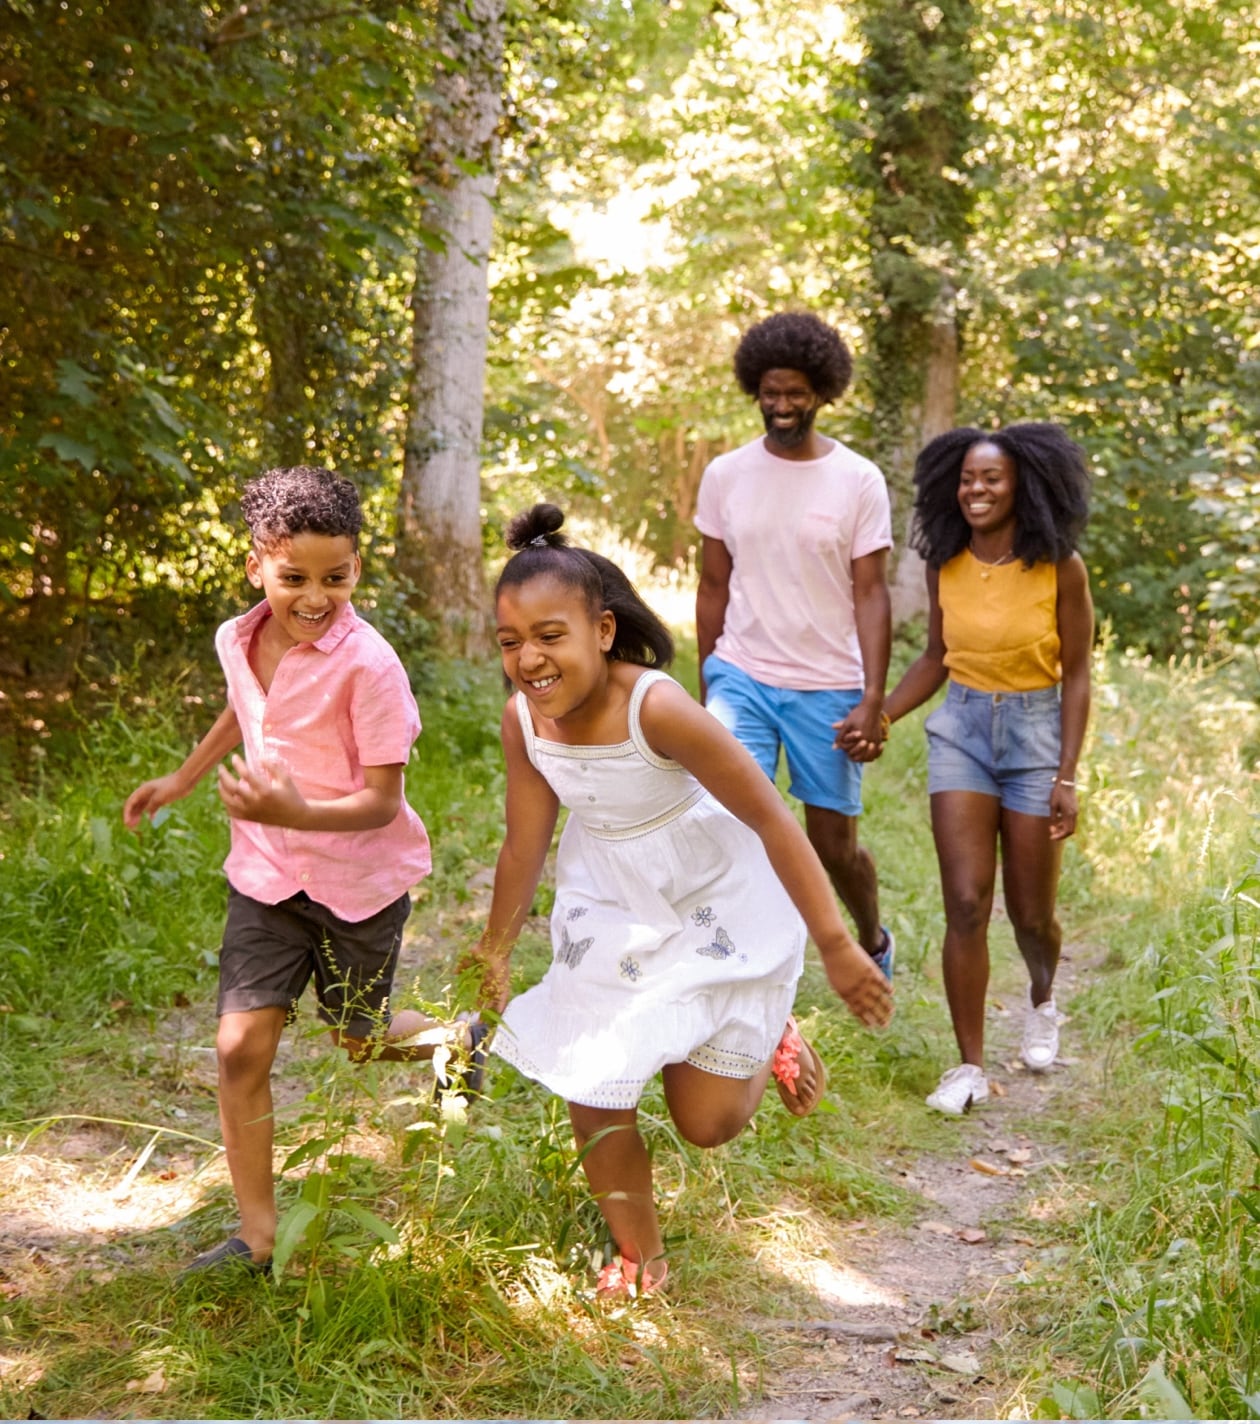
(247, 624)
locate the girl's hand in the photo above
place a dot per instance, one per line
(266, 794)
(494, 972)
(853, 975)
(1063, 810)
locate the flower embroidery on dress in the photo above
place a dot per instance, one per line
(630, 969)
(572, 952)
(576, 912)
(703, 917)
(721, 947)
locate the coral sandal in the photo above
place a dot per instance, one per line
(786, 1067)
(619, 1280)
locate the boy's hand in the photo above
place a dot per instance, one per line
(265, 794)
(854, 976)
(151, 797)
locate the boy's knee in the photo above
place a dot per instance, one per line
(245, 1050)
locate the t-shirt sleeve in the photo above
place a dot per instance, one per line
(709, 506)
(873, 526)
(384, 712)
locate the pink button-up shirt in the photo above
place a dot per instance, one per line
(334, 707)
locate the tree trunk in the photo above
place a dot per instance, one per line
(439, 517)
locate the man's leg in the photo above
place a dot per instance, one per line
(852, 870)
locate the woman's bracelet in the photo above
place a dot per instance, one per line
(885, 726)
(1063, 781)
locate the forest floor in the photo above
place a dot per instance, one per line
(901, 1323)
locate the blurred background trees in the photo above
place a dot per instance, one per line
(219, 223)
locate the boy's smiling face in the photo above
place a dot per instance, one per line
(307, 581)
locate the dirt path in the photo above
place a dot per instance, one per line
(901, 1321)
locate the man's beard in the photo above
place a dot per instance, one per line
(790, 436)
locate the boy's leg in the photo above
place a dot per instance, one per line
(619, 1172)
(246, 1046)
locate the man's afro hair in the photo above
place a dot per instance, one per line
(794, 341)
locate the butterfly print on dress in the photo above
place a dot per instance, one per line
(572, 952)
(720, 947)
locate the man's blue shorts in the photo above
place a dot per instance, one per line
(1001, 744)
(766, 718)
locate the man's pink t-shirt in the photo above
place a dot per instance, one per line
(793, 529)
(334, 707)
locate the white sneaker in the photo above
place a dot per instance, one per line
(958, 1089)
(1041, 1037)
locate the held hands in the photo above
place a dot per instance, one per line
(264, 794)
(491, 972)
(862, 734)
(1063, 811)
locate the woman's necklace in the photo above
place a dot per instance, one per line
(986, 565)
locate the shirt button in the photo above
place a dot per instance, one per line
(304, 877)
(590, 798)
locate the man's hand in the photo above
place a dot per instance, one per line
(862, 734)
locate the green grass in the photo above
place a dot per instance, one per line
(443, 1266)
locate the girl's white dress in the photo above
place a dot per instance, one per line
(672, 938)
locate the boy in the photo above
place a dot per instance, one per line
(324, 845)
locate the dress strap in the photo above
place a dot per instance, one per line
(527, 725)
(638, 693)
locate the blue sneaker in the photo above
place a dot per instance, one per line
(884, 959)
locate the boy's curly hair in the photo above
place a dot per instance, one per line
(1051, 492)
(300, 499)
(794, 341)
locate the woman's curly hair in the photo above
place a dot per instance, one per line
(794, 341)
(640, 636)
(300, 499)
(1051, 492)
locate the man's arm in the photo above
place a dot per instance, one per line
(712, 597)
(859, 734)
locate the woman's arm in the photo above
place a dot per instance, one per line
(1076, 638)
(922, 678)
(531, 811)
(678, 728)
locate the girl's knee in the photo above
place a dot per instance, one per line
(710, 1132)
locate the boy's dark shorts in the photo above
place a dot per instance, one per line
(271, 952)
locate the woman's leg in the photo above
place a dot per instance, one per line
(619, 1171)
(1030, 882)
(965, 828)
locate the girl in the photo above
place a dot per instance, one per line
(677, 947)
(1011, 624)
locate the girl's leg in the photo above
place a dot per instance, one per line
(1030, 882)
(619, 1171)
(965, 828)
(246, 1046)
(708, 1110)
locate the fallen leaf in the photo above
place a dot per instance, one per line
(937, 1228)
(155, 1384)
(972, 1235)
(1023, 1240)
(996, 1088)
(997, 1145)
(962, 1362)
(989, 1169)
(1019, 1156)
(10, 1290)
(908, 1355)
(909, 1412)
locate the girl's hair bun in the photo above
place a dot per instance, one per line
(543, 521)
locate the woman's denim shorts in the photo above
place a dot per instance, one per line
(1003, 744)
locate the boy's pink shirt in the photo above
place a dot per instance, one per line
(335, 706)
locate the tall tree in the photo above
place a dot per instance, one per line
(916, 84)
(440, 495)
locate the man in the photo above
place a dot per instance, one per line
(793, 615)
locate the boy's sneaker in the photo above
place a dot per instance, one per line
(884, 959)
(1040, 1044)
(958, 1089)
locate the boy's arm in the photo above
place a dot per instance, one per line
(212, 748)
(267, 795)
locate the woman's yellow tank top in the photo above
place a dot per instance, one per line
(1000, 624)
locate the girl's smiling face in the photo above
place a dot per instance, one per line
(553, 648)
